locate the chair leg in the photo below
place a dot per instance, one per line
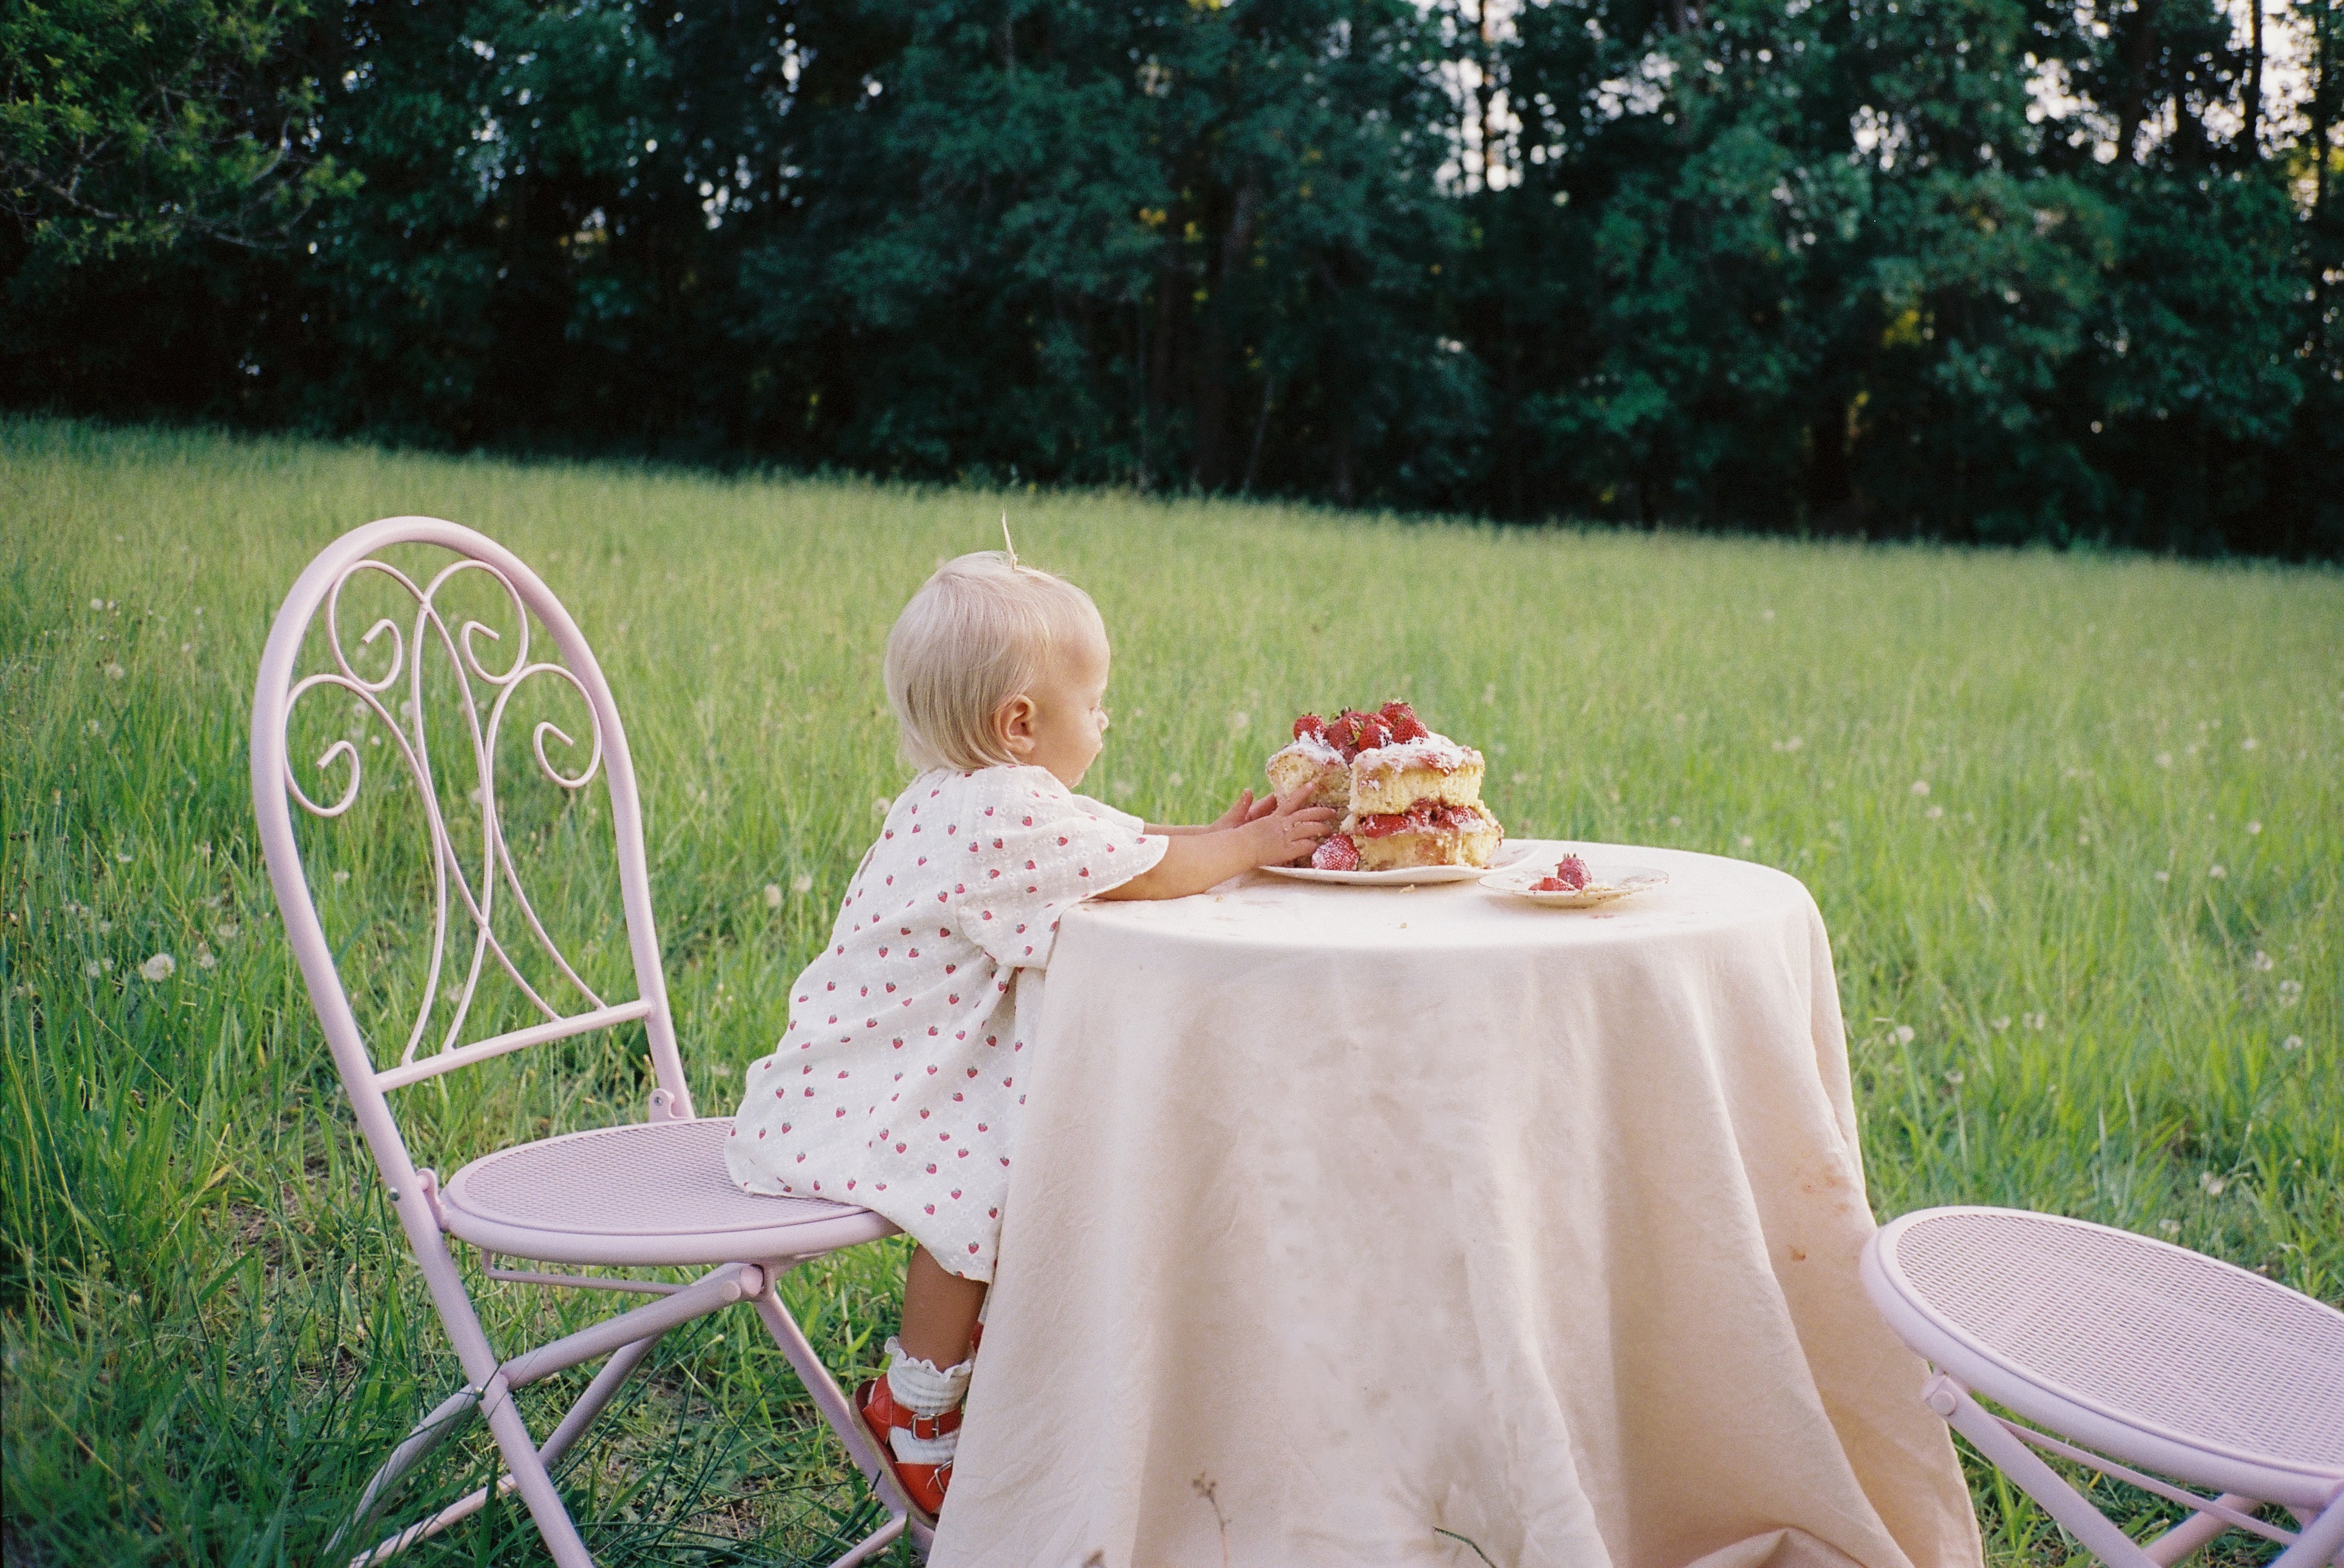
(844, 1419)
(2320, 1542)
(2097, 1532)
(425, 1436)
(606, 1383)
(2194, 1532)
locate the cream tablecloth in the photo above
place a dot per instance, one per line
(1343, 1218)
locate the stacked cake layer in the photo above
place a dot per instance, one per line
(1410, 797)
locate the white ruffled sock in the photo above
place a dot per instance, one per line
(925, 1389)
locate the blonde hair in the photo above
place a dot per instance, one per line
(978, 632)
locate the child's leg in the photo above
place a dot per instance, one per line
(917, 1406)
(939, 1312)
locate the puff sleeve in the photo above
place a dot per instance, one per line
(1037, 849)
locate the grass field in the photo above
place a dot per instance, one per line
(2077, 825)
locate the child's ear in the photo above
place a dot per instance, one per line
(1013, 721)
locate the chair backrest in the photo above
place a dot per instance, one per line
(483, 685)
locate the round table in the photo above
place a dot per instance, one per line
(1390, 1226)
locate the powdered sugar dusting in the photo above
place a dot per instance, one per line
(1313, 747)
(1437, 752)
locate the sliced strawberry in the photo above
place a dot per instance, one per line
(1335, 852)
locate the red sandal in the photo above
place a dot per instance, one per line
(925, 1485)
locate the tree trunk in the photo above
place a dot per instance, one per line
(2255, 81)
(1212, 370)
(2139, 44)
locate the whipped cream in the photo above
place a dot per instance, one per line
(1314, 747)
(1436, 752)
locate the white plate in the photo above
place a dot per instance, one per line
(1399, 876)
(1604, 884)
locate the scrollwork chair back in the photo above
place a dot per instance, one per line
(648, 1194)
(464, 895)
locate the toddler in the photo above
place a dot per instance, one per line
(898, 1085)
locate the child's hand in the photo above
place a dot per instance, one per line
(1282, 831)
(1244, 811)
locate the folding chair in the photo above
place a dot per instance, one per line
(2143, 1354)
(653, 1194)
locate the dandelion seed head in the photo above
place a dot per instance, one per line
(158, 968)
(2253, 828)
(1747, 842)
(2000, 1022)
(879, 805)
(2217, 873)
(2211, 1184)
(773, 896)
(2164, 876)
(2250, 744)
(2170, 1227)
(226, 930)
(1176, 781)
(1920, 786)
(1676, 822)
(2292, 1043)
(98, 604)
(93, 968)
(2164, 759)
(204, 959)
(2291, 992)
(2261, 960)
(1903, 1033)
(1933, 813)
(340, 877)
(801, 883)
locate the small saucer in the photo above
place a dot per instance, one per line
(1604, 884)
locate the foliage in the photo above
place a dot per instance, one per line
(1993, 269)
(2092, 969)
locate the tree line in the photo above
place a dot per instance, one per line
(1974, 269)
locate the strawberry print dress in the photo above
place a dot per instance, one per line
(897, 1086)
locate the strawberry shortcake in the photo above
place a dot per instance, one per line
(1411, 798)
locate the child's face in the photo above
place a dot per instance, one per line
(1060, 724)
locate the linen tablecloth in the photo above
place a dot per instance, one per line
(1379, 1226)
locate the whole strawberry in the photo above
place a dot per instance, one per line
(1343, 732)
(1401, 720)
(1337, 853)
(1310, 724)
(1373, 732)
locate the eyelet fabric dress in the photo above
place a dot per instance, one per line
(899, 1082)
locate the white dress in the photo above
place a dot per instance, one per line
(897, 1087)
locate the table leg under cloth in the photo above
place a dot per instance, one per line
(1356, 1226)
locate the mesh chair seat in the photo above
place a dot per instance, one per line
(640, 1194)
(2154, 1336)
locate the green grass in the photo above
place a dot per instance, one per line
(2055, 999)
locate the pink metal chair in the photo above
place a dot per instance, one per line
(2143, 1354)
(652, 1194)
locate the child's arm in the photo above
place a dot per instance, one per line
(1274, 833)
(1246, 809)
